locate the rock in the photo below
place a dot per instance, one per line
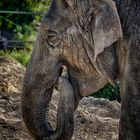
(11, 75)
(95, 119)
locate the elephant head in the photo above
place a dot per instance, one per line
(79, 35)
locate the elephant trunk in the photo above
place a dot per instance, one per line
(35, 106)
(65, 112)
(34, 111)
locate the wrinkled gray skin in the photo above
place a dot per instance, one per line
(129, 11)
(80, 34)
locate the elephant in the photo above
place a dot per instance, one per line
(129, 13)
(96, 46)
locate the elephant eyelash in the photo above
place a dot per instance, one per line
(51, 33)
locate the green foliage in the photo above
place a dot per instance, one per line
(10, 21)
(22, 56)
(109, 92)
(23, 26)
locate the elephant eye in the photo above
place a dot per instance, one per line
(53, 38)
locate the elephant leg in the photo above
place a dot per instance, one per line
(130, 116)
(65, 112)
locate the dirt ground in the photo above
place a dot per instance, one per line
(95, 119)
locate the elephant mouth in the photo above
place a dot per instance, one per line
(63, 72)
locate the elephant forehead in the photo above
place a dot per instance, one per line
(71, 30)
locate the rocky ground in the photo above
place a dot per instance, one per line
(95, 119)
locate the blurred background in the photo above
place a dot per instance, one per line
(19, 22)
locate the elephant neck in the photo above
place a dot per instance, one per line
(129, 11)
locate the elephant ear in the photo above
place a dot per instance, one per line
(107, 27)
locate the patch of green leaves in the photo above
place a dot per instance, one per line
(109, 92)
(22, 56)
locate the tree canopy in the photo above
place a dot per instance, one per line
(10, 20)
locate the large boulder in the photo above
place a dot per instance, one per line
(11, 75)
(95, 119)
